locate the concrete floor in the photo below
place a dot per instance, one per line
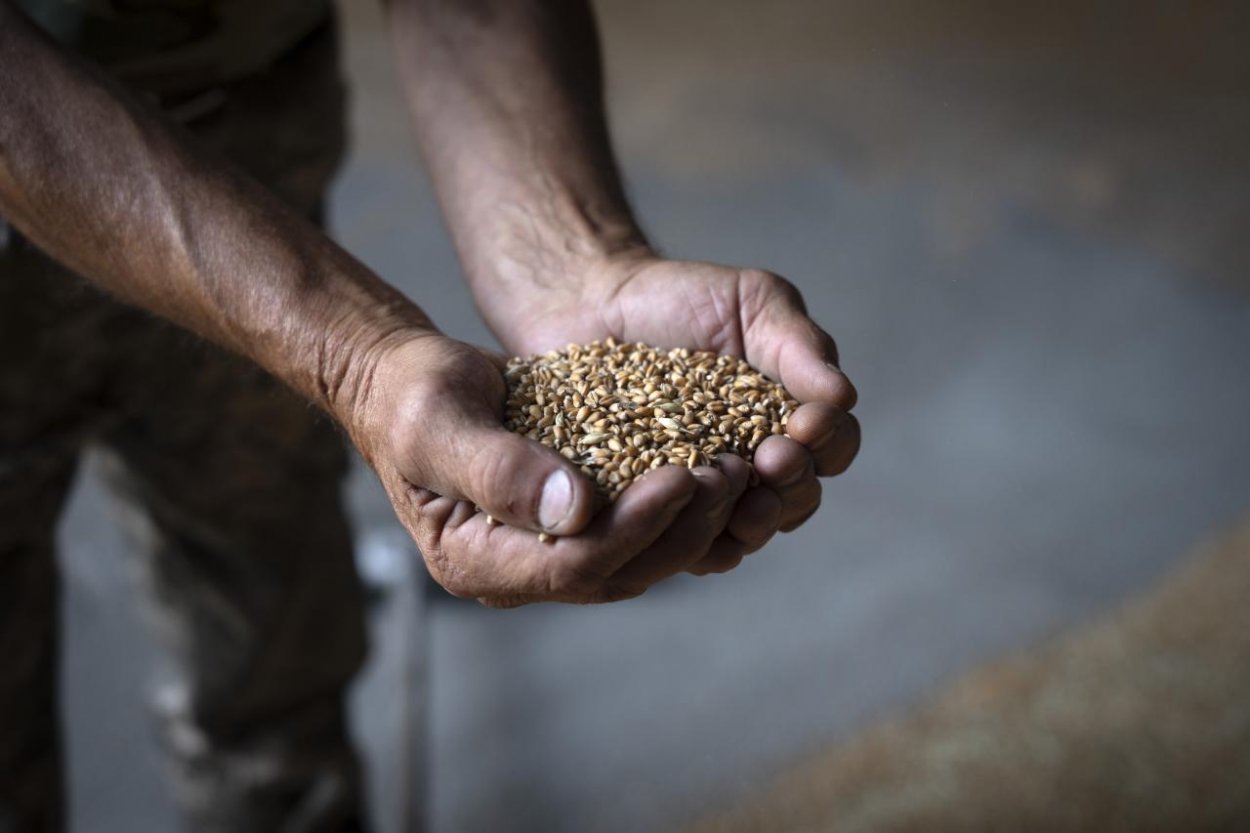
(1135, 723)
(1028, 237)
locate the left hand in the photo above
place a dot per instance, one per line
(748, 313)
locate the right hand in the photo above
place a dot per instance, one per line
(428, 416)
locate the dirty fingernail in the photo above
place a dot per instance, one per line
(557, 500)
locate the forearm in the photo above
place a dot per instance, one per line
(104, 186)
(507, 101)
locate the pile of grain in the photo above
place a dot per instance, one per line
(620, 410)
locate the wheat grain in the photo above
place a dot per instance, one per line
(621, 410)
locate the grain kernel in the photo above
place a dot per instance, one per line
(621, 410)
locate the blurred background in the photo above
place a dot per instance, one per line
(1027, 606)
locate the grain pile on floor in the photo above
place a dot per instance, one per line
(1137, 723)
(621, 410)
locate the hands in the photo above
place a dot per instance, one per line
(748, 313)
(527, 182)
(426, 413)
(427, 418)
(526, 179)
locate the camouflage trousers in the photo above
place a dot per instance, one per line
(230, 487)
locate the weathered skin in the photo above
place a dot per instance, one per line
(507, 105)
(550, 250)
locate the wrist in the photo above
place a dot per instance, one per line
(351, 355)
(525, 305)
(405, 385)
(525, 272)
(558, 243)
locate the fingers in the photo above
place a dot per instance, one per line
(805, 371)
(692, 532)
(822, 437)
(789, 470)
(762, 511)
(725, 553)
(782, 463)
(799, 505)
(756, 518)
(787, 495)
(664, 523)
(504, 566)
(737, 470)
(830, 434)
(437, 422)
(517, 481)
(754, 521)
(785, 343)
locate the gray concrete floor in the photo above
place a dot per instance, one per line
(1028, 237)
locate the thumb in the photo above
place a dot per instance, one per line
(434, 416)
(516, 480)
(786, 344)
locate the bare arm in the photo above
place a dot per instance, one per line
(508, 107)
(109, 189)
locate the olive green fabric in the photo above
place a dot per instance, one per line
(229, 485)
(171, 46)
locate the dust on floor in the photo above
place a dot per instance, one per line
(1140, 721)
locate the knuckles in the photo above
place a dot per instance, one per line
(764, 288)
(483, 473)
